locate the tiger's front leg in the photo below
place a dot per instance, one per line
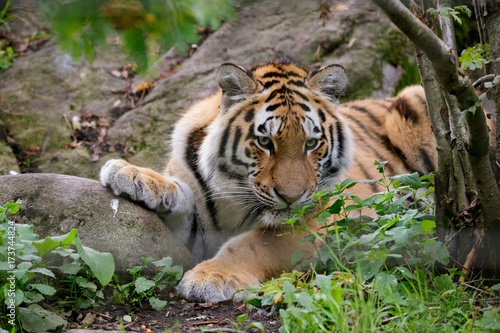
(251, 258)
(142, 184)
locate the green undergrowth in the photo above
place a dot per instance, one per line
(380, 268)
(45, 282)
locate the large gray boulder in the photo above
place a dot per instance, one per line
(54, 204)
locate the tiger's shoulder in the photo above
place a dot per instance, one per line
(396, 130)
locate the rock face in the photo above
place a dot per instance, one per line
(54, 204)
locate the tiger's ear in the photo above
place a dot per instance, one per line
(236, 83)
(329, 80)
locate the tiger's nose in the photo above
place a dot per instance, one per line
(289, 198)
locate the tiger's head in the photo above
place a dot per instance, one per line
(277, 138)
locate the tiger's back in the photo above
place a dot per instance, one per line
(397, 130)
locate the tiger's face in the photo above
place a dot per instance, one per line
(279, 137)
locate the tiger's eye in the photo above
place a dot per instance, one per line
(310, 143)
(264, 141)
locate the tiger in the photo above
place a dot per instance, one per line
(243, 159)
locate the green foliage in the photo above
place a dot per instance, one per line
(447, 12)
(146, 27)
(29, 277)
(141, 288)
(26, 274)
(475, 57)
(377, 266)
(7, 55)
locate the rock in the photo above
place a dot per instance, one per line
(54, 204)
(8, 161)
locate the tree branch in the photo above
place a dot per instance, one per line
(458, 84)
(440, 54)
(483, 79)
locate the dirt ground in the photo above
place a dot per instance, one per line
(181, 317)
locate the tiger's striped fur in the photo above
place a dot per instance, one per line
(244, 157)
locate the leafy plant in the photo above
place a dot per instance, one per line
(377, 266)
(448, 12)
(475, 57)
(7, 55)
(141, 288)
(144, 26)
(26, 274)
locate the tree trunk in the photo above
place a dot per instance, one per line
(469, 196)
(488, 20)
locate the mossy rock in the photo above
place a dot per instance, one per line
(8, 161)
(55, 204)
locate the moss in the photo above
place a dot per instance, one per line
(410, 77)
(393, 47)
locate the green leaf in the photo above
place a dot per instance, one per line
(70, 269)
(44, 289)
(164, 262)
(157, 303)
(134, 44)
(437, 251)
(335, 207)
(142, 284)
(257, 325)
(33, 297)
(306, 301)
(241, 318)
(18, 297)
(43, 271)
(127, 318)
(296, 257)
(443, 282)
(48, 244)
(84, 283)
(25, 232)
(413, 180)
(348, 183)
(400, 235)
(495, 287)
(368, 268)
(385, 283)
(289, 293)
(101, 264)
(36, 319)
(13, 207)
(428, 226)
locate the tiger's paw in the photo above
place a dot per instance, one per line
(209, 282)
(141, 184)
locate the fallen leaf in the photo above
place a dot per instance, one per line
(73, 144)
(103, 122)
(339, 7)
(89, 319)
(143, 86)
(206, 305)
